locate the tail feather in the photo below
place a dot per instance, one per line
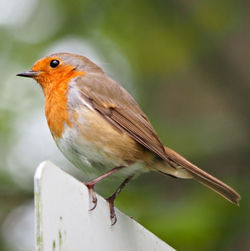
(183, 165)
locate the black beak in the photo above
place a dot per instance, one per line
(28, 74)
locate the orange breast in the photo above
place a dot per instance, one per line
(56, 107)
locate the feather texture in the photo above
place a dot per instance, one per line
(119, 108)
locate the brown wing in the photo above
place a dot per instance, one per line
(118, 107)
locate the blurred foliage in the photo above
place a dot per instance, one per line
(188, 62)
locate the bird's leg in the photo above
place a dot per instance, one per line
(91, 184)
(111, 200)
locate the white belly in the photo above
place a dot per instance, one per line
(91, 160)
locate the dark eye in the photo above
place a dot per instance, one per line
(54, 63)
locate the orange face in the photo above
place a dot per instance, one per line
(51, 70)
(54, 76)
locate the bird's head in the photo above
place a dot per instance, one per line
(59, 67)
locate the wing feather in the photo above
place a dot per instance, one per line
(118, 107)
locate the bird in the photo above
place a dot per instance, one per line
(101, 129)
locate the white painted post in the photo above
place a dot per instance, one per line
(64, 222)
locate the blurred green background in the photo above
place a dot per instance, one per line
(187, 64)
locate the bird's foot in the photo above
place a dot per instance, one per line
(90, 185)
(111, 200)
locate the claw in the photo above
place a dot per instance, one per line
(113, 217)
(90, 185)
(92, 194)
(113, 220)
(94, 205)
(111, 200)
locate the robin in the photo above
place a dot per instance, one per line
(101, 129)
